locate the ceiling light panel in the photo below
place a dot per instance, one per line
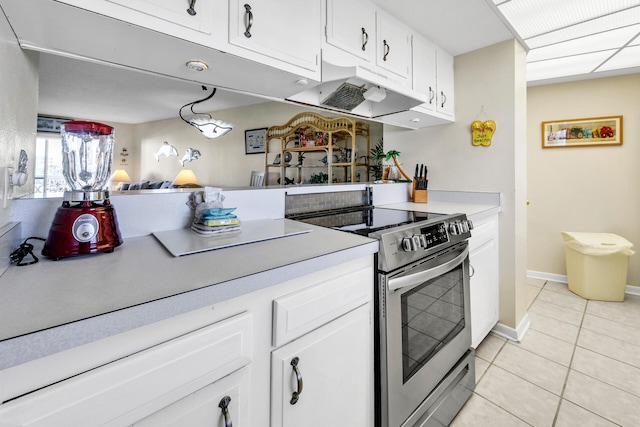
(627, 58)
(534, 17)
(597, 42)
(567, 66)
(617, 20)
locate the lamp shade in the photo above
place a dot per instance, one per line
(211, 128)
(120, 175)
(186, 178)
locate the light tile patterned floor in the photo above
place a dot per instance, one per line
(579, 365)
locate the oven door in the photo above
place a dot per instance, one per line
(424, 329)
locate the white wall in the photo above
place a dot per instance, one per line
(18, 105)
(592, 189)
(489, 84)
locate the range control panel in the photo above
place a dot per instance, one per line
(408, 243)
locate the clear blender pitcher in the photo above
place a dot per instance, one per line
(87, 153)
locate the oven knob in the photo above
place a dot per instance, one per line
(454, 228)
(409, 244)
(470, 224)
(464, 226)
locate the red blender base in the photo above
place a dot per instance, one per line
(84, 228)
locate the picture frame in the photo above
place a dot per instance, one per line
(596, 131)
(50, 124)
(254, 140)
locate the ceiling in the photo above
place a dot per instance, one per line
(575, 39)
(457, 26)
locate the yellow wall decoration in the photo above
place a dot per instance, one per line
(482, 133)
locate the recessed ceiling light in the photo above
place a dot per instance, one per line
(196, 65)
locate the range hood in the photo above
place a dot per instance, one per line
(359, 92)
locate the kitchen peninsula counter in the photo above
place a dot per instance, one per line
(53, 306)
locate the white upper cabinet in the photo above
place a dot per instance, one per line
(433, 76)
(286, 30)
(393, 47)
(424, 70)
(359, 34)
(351, 26)
(444, 63)
(196, 21)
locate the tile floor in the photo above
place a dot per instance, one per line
(579, 365)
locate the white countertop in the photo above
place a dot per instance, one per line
(444, 207)
(450, 202)
(54, 305)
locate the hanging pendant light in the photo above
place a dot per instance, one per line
(206, 124)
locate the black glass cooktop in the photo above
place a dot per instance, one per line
(364, 221)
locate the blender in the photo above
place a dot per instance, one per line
(86, 222)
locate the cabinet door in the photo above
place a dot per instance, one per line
(445, 98)
(484, 287)
(351, 26)
(424, 70)
(393, 45)
(336, 370)
(172, 17)
(286, 30)
(204, 407)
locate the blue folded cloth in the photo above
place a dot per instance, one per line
(217, 213)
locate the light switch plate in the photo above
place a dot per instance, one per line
(6, 187)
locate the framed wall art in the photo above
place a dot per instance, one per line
(50, 124)
(254, 140)
(595, 131)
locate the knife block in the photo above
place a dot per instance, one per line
(419, 196)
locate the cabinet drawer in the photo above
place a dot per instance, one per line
(302, 311)
(202, 408)
(136, 386)
(483, 231)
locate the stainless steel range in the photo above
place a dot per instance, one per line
(425, 368)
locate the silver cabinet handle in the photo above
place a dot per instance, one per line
(444, 99)
(192, 11)
(365, 39)
(224, 406)
(473, 271)
(387, 49)
(296, 394)
(248, 20)
(432, 95)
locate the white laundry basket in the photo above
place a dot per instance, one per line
(597, 264)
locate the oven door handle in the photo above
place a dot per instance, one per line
(423, 276)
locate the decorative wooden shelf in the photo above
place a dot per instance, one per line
(338, 134)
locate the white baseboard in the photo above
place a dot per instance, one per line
(631, 290)
(513, 334)
(547, 276)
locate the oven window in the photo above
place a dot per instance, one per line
(432, 315)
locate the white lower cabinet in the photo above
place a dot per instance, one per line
(324, 377)
(130, 389)
(483, 258)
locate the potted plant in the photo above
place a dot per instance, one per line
(392, 171)
(376, 154)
